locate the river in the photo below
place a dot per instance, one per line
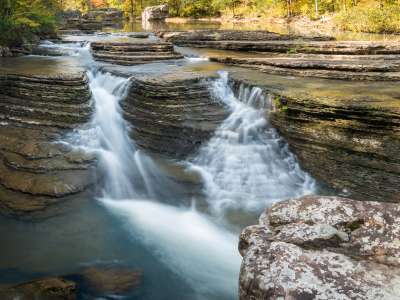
(142, 217)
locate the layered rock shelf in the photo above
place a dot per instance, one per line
(133, 53)
(197, 37)
(346, 136)
(322, 248)
(345, 67)
(297, 55)
(36, 171)
(172, 114)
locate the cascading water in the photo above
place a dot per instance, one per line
(188, 242)
(246, 165)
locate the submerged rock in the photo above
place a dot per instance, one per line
(111, 280)
(322, 248)
(133, 53)
(43, 289)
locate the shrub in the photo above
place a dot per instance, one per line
(373, 18)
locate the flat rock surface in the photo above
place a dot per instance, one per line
(322, 248)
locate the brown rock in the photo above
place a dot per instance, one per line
(111, 279)
(43, 289)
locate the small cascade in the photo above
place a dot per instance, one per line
(246, 165)
(133, 187)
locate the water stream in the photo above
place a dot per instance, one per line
(244, 167)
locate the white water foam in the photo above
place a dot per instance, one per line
(201, 252)
(246, 165)
(190, 243)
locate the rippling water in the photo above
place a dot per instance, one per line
(140, 218)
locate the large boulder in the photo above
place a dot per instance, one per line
(151, 13)
(322, 248)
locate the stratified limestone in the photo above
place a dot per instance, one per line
(298, 55)
(196, 38)
(172, 114)
(345, 137)
(345, 67)
(36, 172)
(133, 53)
(322, 248)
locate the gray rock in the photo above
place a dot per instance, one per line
(159, 12)
(322, 248)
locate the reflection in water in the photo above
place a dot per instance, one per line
(246, 165)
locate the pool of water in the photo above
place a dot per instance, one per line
(177, 220)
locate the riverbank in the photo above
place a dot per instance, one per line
(326, 25)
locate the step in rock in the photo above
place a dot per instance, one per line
(37, 173)
(172, 114)
(133, 53)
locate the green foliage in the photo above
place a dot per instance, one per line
(374, 17)
(21, 20)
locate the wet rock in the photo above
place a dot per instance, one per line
(37, 172)
(344, 67)
(222, 38)
(133, 53)
(151, 13)
(338, 132)
(172, 114)
(111, 280)
(322, 248)
(43, 289)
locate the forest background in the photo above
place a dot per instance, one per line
(23, 20)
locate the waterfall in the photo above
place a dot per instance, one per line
(191, 244)
(246, 165)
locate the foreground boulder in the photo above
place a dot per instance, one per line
(322, 248)
(37, 172)
(172, 114)
(43, 289)
(133, 53)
